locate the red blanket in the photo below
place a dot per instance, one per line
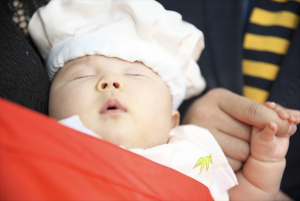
(43, 160)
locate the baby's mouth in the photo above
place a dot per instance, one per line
(112, 106)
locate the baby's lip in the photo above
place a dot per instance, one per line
(112, 106)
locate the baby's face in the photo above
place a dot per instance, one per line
(125, 103)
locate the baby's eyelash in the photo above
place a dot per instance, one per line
(83, 76)
(134, 74)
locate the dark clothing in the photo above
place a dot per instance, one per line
(222, 24)
(23, 78)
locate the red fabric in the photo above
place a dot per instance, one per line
(43, 160)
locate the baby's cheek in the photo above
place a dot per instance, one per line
(59, 104)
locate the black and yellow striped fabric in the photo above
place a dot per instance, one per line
(266, 42)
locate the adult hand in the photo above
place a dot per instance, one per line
(229, 117)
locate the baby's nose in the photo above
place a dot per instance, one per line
(104, 85)
(109, 82)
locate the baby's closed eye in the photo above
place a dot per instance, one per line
(82, 76)
(134, 74)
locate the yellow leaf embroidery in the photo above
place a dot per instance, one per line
(202, 162)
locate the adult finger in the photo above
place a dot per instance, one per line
(233, 147)
(211, 117)
(235, 128)
(234, 164)
(253, 113)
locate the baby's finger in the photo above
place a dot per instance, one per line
(292, 119)
(277, 108)
(269, 132)
(282, 113)
(295, 114)
(270, 105)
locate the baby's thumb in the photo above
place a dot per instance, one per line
(269, 132)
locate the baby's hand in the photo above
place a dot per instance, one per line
(293, 116)
(266, 146)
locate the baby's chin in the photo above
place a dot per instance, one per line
(130, 142)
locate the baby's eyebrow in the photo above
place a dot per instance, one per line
(75, 68)
(83, 61)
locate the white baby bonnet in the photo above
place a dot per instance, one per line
(130, 30)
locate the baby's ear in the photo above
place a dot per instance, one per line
(175, 119)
